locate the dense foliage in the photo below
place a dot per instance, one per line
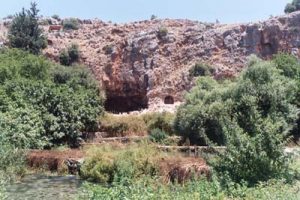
(157, 135)
(24, 32)
(292, 7)
(110, 164)
(152, 189)
(290, 68)
(251, 116)
(12, 164)
(70, 55)
(201, 69)
(42, 104)
(147, 187)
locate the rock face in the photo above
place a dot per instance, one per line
(141, 63)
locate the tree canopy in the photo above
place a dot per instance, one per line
(43, 104)
(292, 7)
(25, 33)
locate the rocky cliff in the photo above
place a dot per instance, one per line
(145, 64)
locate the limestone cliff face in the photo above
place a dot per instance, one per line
(141, 63)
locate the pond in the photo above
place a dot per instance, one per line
(37, 187)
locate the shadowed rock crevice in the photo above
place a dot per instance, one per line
(120, 104)
(169, 100)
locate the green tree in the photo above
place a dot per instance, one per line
(290, 68)
(292, 7)
(252, 116)
(24, 32)
(47, 104)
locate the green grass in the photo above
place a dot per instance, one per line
(152, 187)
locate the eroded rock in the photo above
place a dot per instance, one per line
(138, 69)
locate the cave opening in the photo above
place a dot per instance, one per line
(122, 104)
(169, 100)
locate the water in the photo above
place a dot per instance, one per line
(41, 187)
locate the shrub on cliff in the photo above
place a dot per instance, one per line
(162, 32)
(64, 58)
(201, 69)
(73, 51)
(55, 16)
(24, 32)
(70, 24)
(70, 55)
(292, 7)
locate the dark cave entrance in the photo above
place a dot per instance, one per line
(169, 100)
(121, 104)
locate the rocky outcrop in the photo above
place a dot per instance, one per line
(141, 63)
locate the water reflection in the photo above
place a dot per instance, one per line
(44, 187)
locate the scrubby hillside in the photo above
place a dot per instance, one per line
(142, 63)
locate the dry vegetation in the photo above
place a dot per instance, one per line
(113, 162)
(136, 124)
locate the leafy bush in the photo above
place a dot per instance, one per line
(201, 119)
(70, 24)
(108, 49)
(12, 164)
(261, 93)
(12, 161)
(69, 56)
(50, 104)
(292, 7)
(56, 17)
(153, 17)
(162, 121)
(252, 117)
(201, 69)
(157, 135)
(64, 58)
(290, 68)
(21, 129)
(148, 188)
(98, 167)
(113, 164)
(162, 32)
(254, 158)
(24, 32)
(288, 65)
(73, 51)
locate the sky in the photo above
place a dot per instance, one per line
(121, 11)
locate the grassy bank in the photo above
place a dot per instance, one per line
(131, 183)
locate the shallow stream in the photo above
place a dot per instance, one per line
(42, 187)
